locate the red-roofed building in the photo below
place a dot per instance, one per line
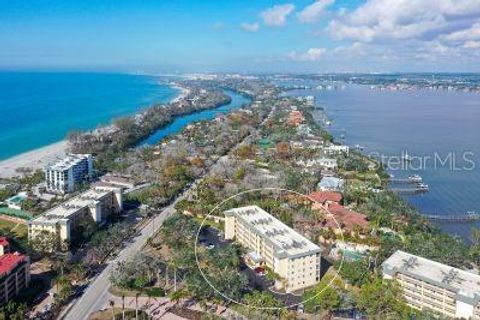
(341, 219)
(325, 196)
(295, 118)
(14, 274)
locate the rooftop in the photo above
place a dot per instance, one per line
(286, 240)
(324, 196)
(347, 218)
(67, 162)
(72, 206)
(331, 183)
(10, 261)
(464, 283)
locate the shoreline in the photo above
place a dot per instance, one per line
(34, 159)
(40, 157)
(184, 92)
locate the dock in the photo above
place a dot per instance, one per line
(413, 179)
(403, 181)
(454, 217)
(409, 191)
(411, 185)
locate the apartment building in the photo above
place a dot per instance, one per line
(428, 284)
(98, 202)
(65, 175)
(14, 272)
(289, 254)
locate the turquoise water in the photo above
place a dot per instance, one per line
(441, 127)
(37, 109)
(181, 122)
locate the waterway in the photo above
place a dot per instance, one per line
(181, 122)
(440, 129)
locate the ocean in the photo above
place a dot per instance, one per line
(440, 129)
(37, 109)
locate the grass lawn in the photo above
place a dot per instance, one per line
(20, 230)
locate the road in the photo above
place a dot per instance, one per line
(94, 298)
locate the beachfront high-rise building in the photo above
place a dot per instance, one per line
(289, 254)
(14, 272)
(97, 203)
(427, 284)
(65, 175)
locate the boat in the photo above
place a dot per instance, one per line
(415, 178)
(423, 186)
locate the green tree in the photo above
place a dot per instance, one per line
(324, 296)
(44, 242)
(64, 288)
(13, 311)
(382, 299)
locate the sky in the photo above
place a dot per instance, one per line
(241, 36)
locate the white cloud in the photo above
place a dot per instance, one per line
(250, 27)
(313, 12)
(277, 15)
(312, 54)
(472, 33)
(385, 20)
(471, 45)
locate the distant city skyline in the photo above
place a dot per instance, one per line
(237, 36)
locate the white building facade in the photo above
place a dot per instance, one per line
(427, 284)
(98, 203)
(287, 253)
(65, 175)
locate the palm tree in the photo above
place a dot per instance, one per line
(123, 306)
(112, 305)
(136, 305)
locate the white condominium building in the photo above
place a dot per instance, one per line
(289, 254)
(65, 175)
(98, 203)
(431, 285)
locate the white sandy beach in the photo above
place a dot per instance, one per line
(39, 158)
(35, 159)
(184, 92)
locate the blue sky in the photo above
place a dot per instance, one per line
(263, 36)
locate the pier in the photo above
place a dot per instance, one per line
(415, 185)
(403, 181)
(414, 179)
(454, 217)
(409, 191)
